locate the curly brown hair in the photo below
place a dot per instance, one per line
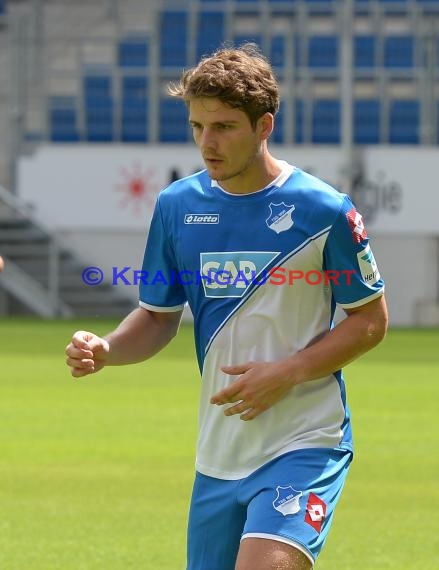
(240, 77)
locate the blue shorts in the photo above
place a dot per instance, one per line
(290, 499)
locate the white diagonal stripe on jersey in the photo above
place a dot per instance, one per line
(254, 288)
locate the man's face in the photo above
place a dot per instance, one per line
(230, 147)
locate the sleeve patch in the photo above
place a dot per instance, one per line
(368, 266)
(356, 224)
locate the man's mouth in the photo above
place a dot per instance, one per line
(212, 159)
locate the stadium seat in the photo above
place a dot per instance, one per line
(278, 132)
(134, 125)
(364, 52)
(299, 109)
(98, 105)
(63, 119)
(210, 32)
(240, 39)
(283, 7)
(279, 129)
(174, 125)
(97, 84)
(99, 119)
(366, 119)
(326, 121)
(277, 52)
(133, 52)
(321, 6)
(134, 86)
(173, 38)
(247, 8)
(399, 3)
(2, 7)
(323, 51)
(404, 116)
(299, 52)
(399, 52)
(134, 111)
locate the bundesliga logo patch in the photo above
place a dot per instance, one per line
(356, 224)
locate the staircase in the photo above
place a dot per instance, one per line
(42, 276)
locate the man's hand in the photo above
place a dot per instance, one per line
(86, 353)
(262, 384)
(259, 386)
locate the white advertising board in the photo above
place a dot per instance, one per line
(398, 193)
(102, 187)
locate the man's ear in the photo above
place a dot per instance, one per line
(266, 125)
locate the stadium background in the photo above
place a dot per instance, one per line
(97, 474)
(91, 135)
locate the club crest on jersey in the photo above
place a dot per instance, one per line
(280, 218)
(230, 273)
(287, 500)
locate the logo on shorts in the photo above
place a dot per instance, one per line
(287, 500)
(315, 512)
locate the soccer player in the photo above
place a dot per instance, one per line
(262, 252)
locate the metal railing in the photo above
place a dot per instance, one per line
(44, 300)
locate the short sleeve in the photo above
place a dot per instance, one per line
(349, 263)
(160, 289)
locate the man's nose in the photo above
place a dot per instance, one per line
(207, 139)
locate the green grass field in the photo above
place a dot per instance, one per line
(97, 473)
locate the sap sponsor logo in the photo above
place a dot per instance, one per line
(368, 266)
(287, 500)
(201, 219)
(280, 218)
(229, 274)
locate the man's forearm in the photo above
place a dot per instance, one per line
(354, 336)
(140, 335)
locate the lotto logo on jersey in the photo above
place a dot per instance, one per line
(368, 266)
(201, 219)
(315, 512)
(229, 274)
(356, 224)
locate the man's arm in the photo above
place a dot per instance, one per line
(262, 384)
(139, 336)
(363, 328)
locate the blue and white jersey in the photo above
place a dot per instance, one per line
(262, 274)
